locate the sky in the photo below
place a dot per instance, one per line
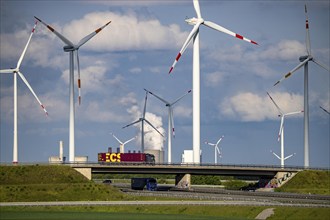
(136, 50)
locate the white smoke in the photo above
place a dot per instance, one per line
(152, 139)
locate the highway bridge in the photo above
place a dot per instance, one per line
(183, 171)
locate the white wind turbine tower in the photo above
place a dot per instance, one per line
(71, 48)
(194, 34)
(171, 130)
(281, 131)
(304, 62)
(15, 72)
(142, 120)
(122, 144)
(216, 149)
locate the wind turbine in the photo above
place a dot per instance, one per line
(304, 63)
(142, 120)
(216, 149)
(15, 72)
(122, 144)
(71, 48)
(171, 130)
(281, 131)
(194, 34)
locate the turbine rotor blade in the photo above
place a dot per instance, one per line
(145, 106)
(276, 155)
(160, 98)
(278, 108)
(64, 39)
(26, 46)
(181, 97)
(88, 37)
(209, 143)
(293, 70)
(129, 140)
(185, 45)
(137, 121)
(116, 138)
(153, 126)
(218, 150)
(321, 64)
(8, 70)
(289, 156)
(35, 95)
(293, 113)
(325, 110)
(197, 9)
(219, 140)
(308, 39)
(226, 31)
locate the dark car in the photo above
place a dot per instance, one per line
(107, 181)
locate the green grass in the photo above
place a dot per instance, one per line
(132, 212)
(314, 182)
(51, 183)
(159, 212)
(22, 175)
(62, 183)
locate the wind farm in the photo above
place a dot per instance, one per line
(229, 79)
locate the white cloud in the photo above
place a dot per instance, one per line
(253, 107)
(125, 32)
(99, 112)
(214, 79)
(285, 50)
(152, 139)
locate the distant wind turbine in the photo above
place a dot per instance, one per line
(194, 35)
(281, 131)
(171, 130)
(142, 120)
(71, 48)
(15, 72)
(304, 62)
(122, 144)
(216, 149)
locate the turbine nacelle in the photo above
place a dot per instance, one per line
(303, 58)
(69, 48)
(194, 21)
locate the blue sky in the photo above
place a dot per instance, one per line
(136, 51)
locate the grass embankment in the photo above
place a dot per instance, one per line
(61, 183)
(159, 212)
(51, 183)
(305, 182)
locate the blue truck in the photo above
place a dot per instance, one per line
(141, 183)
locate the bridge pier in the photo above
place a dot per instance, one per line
(87, 172)
(183, 181)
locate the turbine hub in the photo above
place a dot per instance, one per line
(193, 21)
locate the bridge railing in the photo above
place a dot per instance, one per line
(91, 163)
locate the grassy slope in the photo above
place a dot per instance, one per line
(51, 183)
(314, 182)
